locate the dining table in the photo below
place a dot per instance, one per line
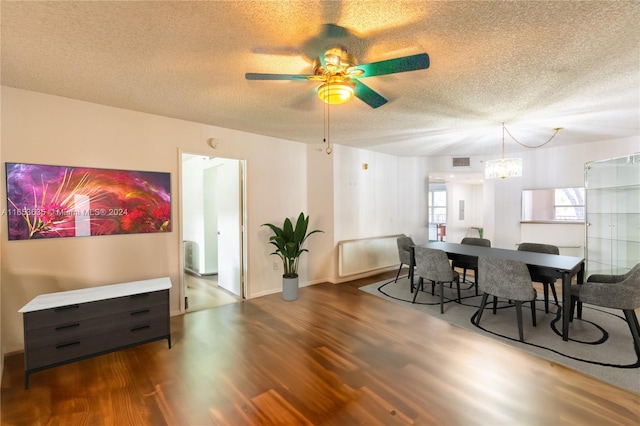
(558, 266)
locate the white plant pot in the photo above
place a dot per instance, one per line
(289, 288)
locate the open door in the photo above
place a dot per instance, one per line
(229, 202)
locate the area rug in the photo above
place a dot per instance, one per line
(599, 345)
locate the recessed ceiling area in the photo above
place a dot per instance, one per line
(535, 65)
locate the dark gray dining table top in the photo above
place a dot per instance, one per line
(556, 262)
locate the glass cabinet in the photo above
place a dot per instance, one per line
(612, 215)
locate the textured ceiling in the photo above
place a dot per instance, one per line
(534, 65)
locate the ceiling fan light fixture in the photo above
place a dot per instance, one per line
(336, 91)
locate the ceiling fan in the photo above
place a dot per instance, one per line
(340, 74)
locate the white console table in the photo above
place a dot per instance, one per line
(68, 326)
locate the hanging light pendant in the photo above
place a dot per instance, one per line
(510, 167)
(504, 167)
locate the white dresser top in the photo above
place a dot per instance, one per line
(92, 294)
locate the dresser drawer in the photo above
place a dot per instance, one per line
(65, 351)
(144, 331)
(145, 299)
(75, 348)
(53, 334)
(77, 313)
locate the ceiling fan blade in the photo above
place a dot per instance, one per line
(392, 66)
(330, 35)
(260, 76)
(332, 31)
(368, 95)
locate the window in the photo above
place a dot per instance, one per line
(437, 205)
(553, 205)
(568, 204)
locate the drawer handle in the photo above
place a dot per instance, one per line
(66, 308)
(143, 327)
(136, 296)
(64, 327)
(144, 311)
(66, 345)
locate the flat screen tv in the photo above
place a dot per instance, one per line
(45, 201)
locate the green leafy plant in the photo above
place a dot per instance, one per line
(288, 242)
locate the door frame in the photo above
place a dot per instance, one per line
(244, 290)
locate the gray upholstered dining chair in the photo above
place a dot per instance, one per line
(433, 265)
(545, 280)
(404, 253)
(470, 263)
(507, 279)
(612, 291)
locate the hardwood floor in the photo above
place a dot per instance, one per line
(336, 356)
(203, 292)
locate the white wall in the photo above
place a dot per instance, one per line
(386, 197)
(569, 237)
(321, 260)
(389, 197)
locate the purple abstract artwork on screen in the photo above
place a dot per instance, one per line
(57, 201)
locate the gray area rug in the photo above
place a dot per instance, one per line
(599, 345)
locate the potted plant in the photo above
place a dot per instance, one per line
(288, 242)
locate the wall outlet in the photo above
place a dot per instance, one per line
(275, 266)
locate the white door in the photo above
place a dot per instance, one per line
(229, 202)
(210, 214)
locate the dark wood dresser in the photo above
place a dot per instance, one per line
(72, 325)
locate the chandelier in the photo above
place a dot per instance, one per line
(509, 167)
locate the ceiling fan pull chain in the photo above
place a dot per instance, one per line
(329, 150)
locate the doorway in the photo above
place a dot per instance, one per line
(212, 190)
(437, 211)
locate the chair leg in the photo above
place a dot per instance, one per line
(545, 289)
(632, 320)
(441, 297)
(458, 283)
(572, 310)
(420, 285)
(495, 304)
(533, 312)
(398, 274)
(433, 288)
(410, 276)
(579, 309)
(519, 318)
(483, 302)
(555, 295)
(475, 279)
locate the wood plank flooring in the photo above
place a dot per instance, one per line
(336, 356)
(203, 293)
